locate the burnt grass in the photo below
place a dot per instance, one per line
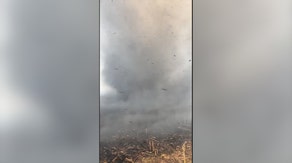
(168, 145)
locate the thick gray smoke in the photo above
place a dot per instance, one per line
(50, 110)
(146, 63)
(242, 81)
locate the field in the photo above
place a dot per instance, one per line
(145, 146)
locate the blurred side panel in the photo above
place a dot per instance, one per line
(242, 81)
(49, 87)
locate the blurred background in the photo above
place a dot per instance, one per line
(242, 81)
(49, 78)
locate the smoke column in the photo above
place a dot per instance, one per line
(145, 63)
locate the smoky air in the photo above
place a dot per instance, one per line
(146, 66)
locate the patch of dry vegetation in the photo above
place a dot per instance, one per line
(174, 147)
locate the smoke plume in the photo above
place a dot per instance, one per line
(145, 63)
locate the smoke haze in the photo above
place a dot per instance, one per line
(145, 63)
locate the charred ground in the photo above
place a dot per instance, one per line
(173, 144)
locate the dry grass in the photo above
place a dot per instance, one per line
(175, 147)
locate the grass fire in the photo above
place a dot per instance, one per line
(146, 70)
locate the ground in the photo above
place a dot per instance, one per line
(133, 146)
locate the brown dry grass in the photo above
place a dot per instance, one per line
(173, 147)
